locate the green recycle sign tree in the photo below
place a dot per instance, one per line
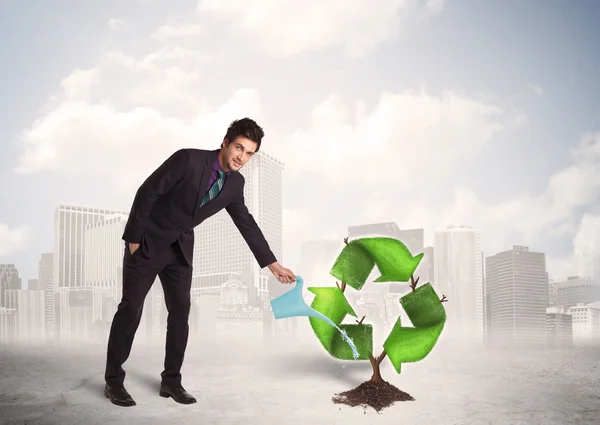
(424, 308)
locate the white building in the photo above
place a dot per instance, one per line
(8, 325)
(576, 290)
(45, 284)
(235, 317)
(458, 274)
(585, 265)
(70, 223)
(103, 251)
(586, 323)
(9, 279)
(30, 308)
(559, 327)
(219, 246)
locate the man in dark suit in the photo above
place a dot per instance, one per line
(189, 187)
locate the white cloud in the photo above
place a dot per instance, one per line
(127, 108)
(172, 31)
(144, 108)
(287, 27)
(587, 239)
(537, 89)
(559, 268)
(13, 240)
(116, 24)
(523, 219)
(435, 7)
(390, 144)
(84, 139)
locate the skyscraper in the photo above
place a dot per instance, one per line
(517, 289)
(70, 222)
(219, 246)
(103, 253)
(458, 274)
(45, 266)
(9, 279)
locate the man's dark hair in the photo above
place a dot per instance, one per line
(247, 128)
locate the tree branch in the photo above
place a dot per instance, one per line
(413, 282)
(381, 357)
(341, 288)
(444, 299)
(361, 320)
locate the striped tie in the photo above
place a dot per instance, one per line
(214, 189)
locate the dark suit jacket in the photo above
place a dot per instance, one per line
(166, 207)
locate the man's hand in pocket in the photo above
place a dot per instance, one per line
(133, 247)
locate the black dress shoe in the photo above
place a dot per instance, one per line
(177, 393)
(118, 395)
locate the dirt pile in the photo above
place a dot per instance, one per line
(378, 395)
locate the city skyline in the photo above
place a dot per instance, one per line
(584, 264)
(538, 311)
(468, 130)
(426, 120)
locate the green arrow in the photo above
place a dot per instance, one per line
(392, 258)
(361, 335)
(332, 303)
(428, 316)
(353, 265)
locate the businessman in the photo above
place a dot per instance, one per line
(189, 187)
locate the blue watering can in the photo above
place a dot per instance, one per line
(291, 304)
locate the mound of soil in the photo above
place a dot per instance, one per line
(377, 395)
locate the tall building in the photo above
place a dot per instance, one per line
(45, 266)
(219, 246)
(70, 223)
(8, 325)
(585, 265)
(103, 251)
(577, 290)
(517, 286)
(9, 279)
(552, 292)
(30, 309)
(458, 274)
(426, 269)
(586, 323)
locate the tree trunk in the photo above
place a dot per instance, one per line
(376, 371)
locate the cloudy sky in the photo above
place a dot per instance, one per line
(426, 113)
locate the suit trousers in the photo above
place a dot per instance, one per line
(139, 273)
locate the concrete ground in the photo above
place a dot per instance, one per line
(250, 383)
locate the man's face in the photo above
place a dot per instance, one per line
(237, 153)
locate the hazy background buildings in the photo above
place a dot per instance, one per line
(503, 300)
(468, 131)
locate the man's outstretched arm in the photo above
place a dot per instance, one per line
(167, 175)
(256, 241)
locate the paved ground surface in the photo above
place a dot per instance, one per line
(251, 384)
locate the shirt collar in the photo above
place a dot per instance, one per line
(217, 165)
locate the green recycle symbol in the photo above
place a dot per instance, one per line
(405, 344)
